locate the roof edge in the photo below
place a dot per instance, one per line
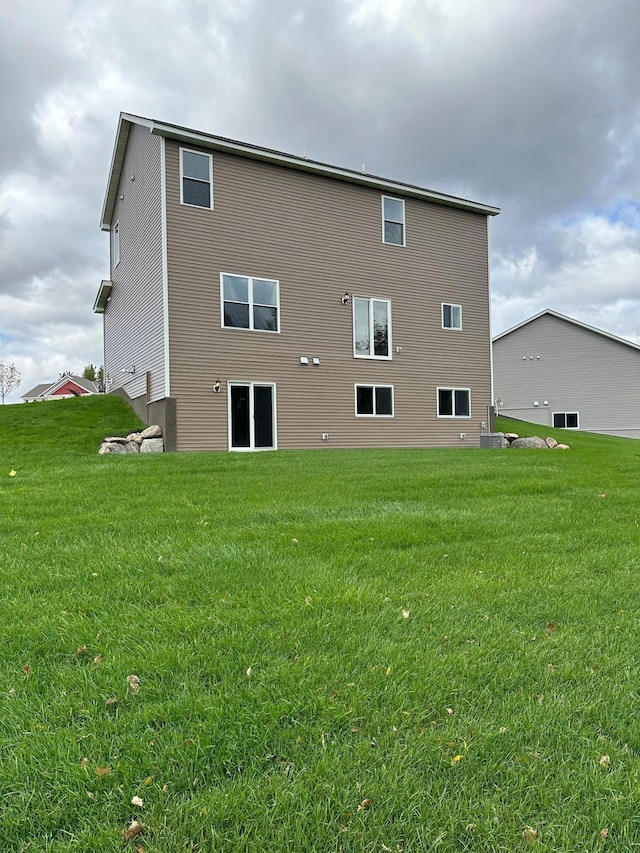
(564, 317)
(256, 152)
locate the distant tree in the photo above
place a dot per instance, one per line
(89, 372)
(9, 379)
(101, 374)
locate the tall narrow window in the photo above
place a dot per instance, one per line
(196, 178)
(250, 303)
(451, 316)
(116, 244)
(371, 328)
(393, 221)
(454, 403)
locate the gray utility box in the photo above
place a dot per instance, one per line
(495, 440)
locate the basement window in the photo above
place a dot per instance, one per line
(565, 420)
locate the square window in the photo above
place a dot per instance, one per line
(250, 303)
(393, 230)
(374, 401)
(371, 328)
(196, 179)
(451, 316)
(454, 402)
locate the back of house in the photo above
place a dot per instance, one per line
(260, 300)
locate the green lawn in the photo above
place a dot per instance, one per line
(406, 650)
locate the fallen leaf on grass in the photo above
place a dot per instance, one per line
(82, 650)
(12, 473)
(98, 660)
(111, 703)
(84, 762)
(134, 684)
(449, 711)
(604, 833)
(165, 789)
(529, 834)
(27, 669)
(605, 760)
(138, 802)
(456, 759)
(308, 600)
(134, 829)
(406, 614)
(249, 671)
(365, 804)
(603, 495)
(102, 771)
(550, 627)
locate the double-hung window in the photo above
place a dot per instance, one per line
(196, 178)
(451, 316)
(371, 327)
(374, 401)
(565, 420)
(116, 244)
(250, 303)
(393, 221)
(454, 403)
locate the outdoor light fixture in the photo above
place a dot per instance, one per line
(131, 369)
(216, 386)
(345, 299)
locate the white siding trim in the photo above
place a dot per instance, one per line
(165, 268)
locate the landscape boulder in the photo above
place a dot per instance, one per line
(562, 447)
(511, 436)
(551, 442)
(135, 436)
(531, 441)
(153, 431)
(152, 445)
(109, 446)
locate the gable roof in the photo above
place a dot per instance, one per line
(551, 313)
(45, 389)
(256, 152)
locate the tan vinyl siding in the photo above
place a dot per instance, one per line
(320, 237)
(133, 318)
(577, 370)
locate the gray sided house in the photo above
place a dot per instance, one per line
(558, 372)
(261, 300)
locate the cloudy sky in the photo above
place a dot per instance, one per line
(530, 106)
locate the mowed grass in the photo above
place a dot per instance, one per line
(405, 650)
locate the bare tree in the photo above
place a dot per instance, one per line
(9, 379)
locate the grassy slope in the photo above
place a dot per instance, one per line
(260, 598)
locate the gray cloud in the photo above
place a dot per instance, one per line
(533, 107)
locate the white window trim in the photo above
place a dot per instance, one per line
(374, 385)
(252, 448)
(116, 244)
(454, 416)
(451, 305)
(371, 299)
(251, 303)
(404, 221)
(553, 417)
(186, 203)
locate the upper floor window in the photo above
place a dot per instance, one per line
(374, 401)
(565, 420)
(451, 316)
(250, 303)
(371, 328)
(454, 403)
(393, 221)
(196, 178)
(116, 244)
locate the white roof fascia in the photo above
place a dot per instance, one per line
(289, 161)
(568, 320)
(117, 159)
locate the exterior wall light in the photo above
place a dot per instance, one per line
(345, 299)
(216, 386)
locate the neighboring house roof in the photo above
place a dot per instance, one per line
(37, 390)
(568, 320)
(188, 136)
(63, 385)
